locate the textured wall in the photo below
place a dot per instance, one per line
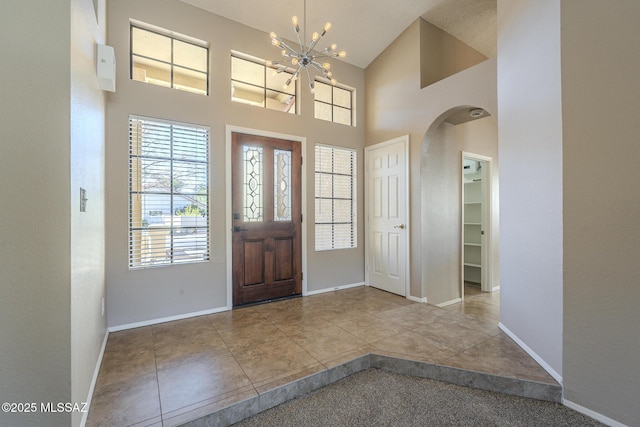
(600, 106)
(142, 295)
(34, 195)
(530, 149)
(396, 106)
(88, 105)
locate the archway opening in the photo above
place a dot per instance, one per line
(463, 129)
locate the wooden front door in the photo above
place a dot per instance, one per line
(267, 217)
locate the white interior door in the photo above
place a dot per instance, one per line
(387, 201)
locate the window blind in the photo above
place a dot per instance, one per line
(335, 198)
(168, 192)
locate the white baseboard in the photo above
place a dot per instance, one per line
(417, 299)
(446, 303)
(166, 319)
(495, 288)
(556, 376)
(595, 415)
(96, 371)
(335, 288)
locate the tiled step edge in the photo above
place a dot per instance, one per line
(472, 379)
(479, 380)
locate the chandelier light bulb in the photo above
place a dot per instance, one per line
(305, 59)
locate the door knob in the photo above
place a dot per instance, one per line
(401, 226)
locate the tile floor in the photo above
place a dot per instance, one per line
(164, 374)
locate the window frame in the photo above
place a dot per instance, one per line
(172, 36)
(172, 259)
(352, 93)
(263, 63)
(354, 199)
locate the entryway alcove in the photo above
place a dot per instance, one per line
(459, 132)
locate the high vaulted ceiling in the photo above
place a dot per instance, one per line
(364, 27)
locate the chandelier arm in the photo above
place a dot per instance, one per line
(300, 41)
(287, 47)
(311, 84)
(314, 43)
(318, 67)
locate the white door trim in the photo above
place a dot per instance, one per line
(228, 211)
(487, 218)
(367, 252)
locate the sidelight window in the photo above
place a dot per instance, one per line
(168, 192)
(335, 198)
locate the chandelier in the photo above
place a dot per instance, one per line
(306, 58)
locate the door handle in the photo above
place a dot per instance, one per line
(401, 226)
(238, 229)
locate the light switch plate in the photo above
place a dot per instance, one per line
(83, 200)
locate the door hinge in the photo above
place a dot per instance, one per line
(301, 161)
(301, 218)
(301, 276)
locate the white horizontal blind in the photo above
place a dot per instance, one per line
(168, 192)
(335, 198)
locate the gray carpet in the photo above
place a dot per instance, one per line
(380, 398)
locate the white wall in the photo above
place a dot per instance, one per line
(145, 295)
(600, 107)
(530, 150)
(35, 339)
(88, 104)
(396, 106)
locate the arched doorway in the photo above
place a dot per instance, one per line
(455, 131)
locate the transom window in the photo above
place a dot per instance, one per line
(335, 197)
(168, 192)
(164, 58)
(255, 83)
(333, 103)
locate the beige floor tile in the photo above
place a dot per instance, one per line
(267, 361)
(370, 328)
(413, 344)
(201, 364)
(242, 338)
(199, 380)
(328, 342)
(501, 356)
(125, 402)
(451, 334)
(176, 349)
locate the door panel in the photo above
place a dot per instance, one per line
(266, 200)
(387, 234)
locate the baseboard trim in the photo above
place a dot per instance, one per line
(495, 288)
(593, 414)
(556, 376)
(446, 303)
(166, 319)
(92, 387)
(417, 299)
(335, 288)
